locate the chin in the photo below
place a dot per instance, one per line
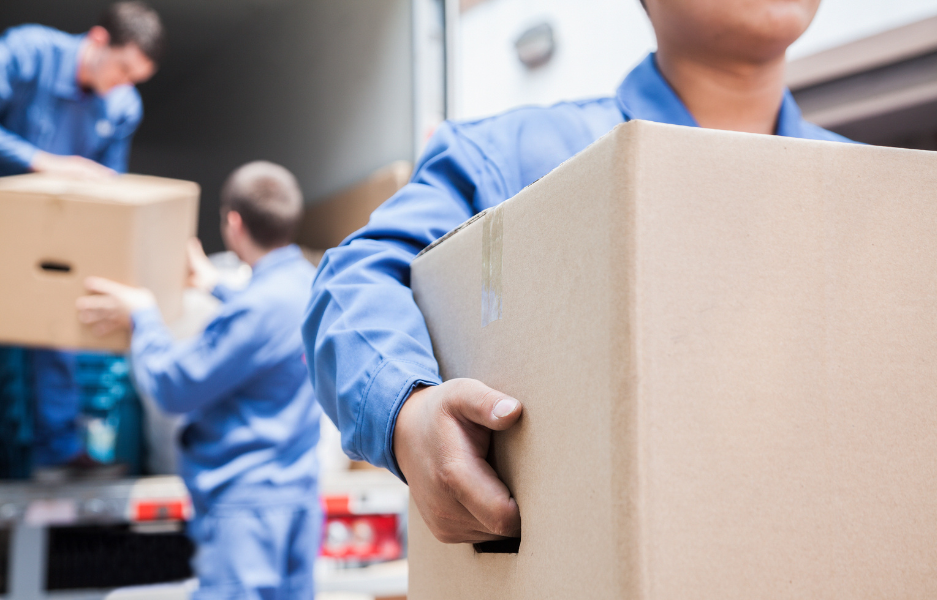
(783, 21)
(769, 35)
(750, 30)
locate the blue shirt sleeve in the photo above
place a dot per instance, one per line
(366, 337)
(222, 292)
(185, 376)
(16, 65)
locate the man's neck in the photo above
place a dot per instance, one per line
(254, 254)
(83, 70)
(727, 95)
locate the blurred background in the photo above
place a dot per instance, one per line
(345, 94)
(335, 90)
(323, 88)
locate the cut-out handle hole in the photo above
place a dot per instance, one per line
(55, 266)
(505, 546)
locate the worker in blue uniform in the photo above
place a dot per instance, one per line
(719, 64)
(248, 442)
(67, 102)
(68, 107)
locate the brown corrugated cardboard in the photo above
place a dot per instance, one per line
(56, 232)
(328, 222)
(725, 346)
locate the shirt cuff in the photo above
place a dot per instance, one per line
(222, 292)
(146, 318)
(388, 389)
(26, 154)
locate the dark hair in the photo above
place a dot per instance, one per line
(268, 199)
(135, 23)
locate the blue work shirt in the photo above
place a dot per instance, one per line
(42, 106)
(364, 330)
(251, 419)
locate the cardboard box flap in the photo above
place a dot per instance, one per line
(453, 232)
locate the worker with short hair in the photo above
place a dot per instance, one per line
(68, 106)
(251, 425)
(67, 102)
(719, 64)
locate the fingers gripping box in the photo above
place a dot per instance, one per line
(56, 232)
(726, 347)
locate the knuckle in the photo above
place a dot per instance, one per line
(440, 524)
(451, 392)
(448, 538)
(463, 387)
(449, 477)
(502, 524)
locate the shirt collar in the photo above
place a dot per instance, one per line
(790, 119)
(66, 80)
(646, 95)
(275, 258)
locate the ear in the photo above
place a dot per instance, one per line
(234, 221)
(99, 36)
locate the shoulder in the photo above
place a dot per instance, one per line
(526, 143)
(815, 132)
(27, 44)
(288, 288)
(31, 39)
(33, 34)
(571, 121)
(297, 277)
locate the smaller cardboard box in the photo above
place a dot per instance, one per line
(55, 232)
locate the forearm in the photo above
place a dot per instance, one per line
(182, 376)
(16, 153)
(151, 341)
(368, 347)
(366, 340)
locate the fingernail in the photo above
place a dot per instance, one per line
(504, 407)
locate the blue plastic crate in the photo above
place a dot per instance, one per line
(16, 414)
(111, 409)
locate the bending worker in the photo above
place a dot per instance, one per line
(68, 107)
(719, 64)
(248, 442)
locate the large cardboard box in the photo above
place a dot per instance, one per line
(726, 347)
(56, 232)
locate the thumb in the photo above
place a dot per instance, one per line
(473, 400)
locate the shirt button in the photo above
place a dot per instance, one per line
(104, 128)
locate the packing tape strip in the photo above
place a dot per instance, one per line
(492, 245)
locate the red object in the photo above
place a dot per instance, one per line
(336, 505)
(159, 510)
(360, 538)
